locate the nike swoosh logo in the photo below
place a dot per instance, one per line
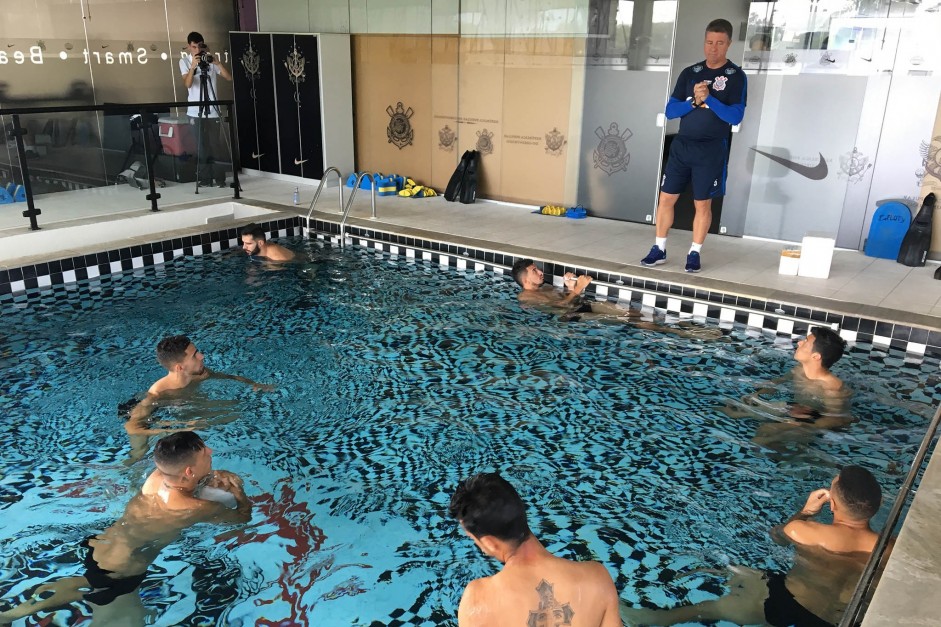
(257, 155)
(296, 162)
(814, 173)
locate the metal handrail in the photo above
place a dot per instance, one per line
(854, 609)
(323, 181)
(373, 179)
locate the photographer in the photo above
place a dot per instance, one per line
(199, 69)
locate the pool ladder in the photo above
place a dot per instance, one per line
(345, 208)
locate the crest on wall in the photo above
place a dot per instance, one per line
(555, 141)
(790, 59)
(485, 142)
(930, 159)
(853, 165)
(400, 131)
(611, 154)
(446, 139)
(251, 63)
(295, 63)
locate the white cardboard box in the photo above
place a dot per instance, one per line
(816, 255)
(790, 262)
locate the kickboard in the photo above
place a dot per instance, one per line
(889, 225)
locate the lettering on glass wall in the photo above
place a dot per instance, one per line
(140, 56)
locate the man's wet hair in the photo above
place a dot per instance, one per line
(194, 38)
(487, 505)
(859, 492)
(828, 344)
(519, 269)
(255, 231)
(720, 26)
(172, 350)
(176, 451)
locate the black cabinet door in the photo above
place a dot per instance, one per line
(308, 101)
(291, 64)
(253, 86)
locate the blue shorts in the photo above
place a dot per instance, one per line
(703, 163)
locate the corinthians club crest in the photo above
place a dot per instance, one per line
(446, 139)
(930, 159)
(485, 142)
(611, 154)
(295, 63)
(400, 131)
(853, 165)
(555, 141)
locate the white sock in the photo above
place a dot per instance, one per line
(695, 248)
(661, 243)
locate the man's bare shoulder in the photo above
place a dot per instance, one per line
(541, 296)
(277, 252)
(833, 538)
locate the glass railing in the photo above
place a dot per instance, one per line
(70, 163)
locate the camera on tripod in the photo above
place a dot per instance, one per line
(204, 57)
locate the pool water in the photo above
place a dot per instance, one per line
(395, 379)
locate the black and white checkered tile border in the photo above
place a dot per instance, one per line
(673, 298)
(16, 281)
(683, 301)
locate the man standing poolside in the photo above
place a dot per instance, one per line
(827, 566)
(534, 587)
(256, 244)
(185, 370)
(710, 97)
(182, 491)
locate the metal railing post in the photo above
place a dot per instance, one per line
(234, 149)
(148, 149)
(31, 210)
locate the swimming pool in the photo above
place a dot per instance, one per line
(396, 378)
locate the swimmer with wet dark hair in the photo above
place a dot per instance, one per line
(828, 562)
(185, 370)
(255, 243)
(574, 307)
(534, 587)
(181, 491)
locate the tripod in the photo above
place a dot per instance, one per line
(207, 106)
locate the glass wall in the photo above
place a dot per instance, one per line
(848, 94)
(63, 53)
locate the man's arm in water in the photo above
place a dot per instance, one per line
(265, 387)
(799, 528)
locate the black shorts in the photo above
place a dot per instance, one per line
(106, 587)
(702, 162)
(783, 610)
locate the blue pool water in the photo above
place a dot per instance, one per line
(394, 379)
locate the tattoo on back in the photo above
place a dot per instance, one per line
(551, 613)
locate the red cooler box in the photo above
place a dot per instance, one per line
(177, 135)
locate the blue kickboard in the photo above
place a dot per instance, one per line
(889, 225)
(19, 194)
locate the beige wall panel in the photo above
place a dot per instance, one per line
(536, 104)
(444, 102)
(481, 107)
(388, 70)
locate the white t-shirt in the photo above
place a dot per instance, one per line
(193, 94)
